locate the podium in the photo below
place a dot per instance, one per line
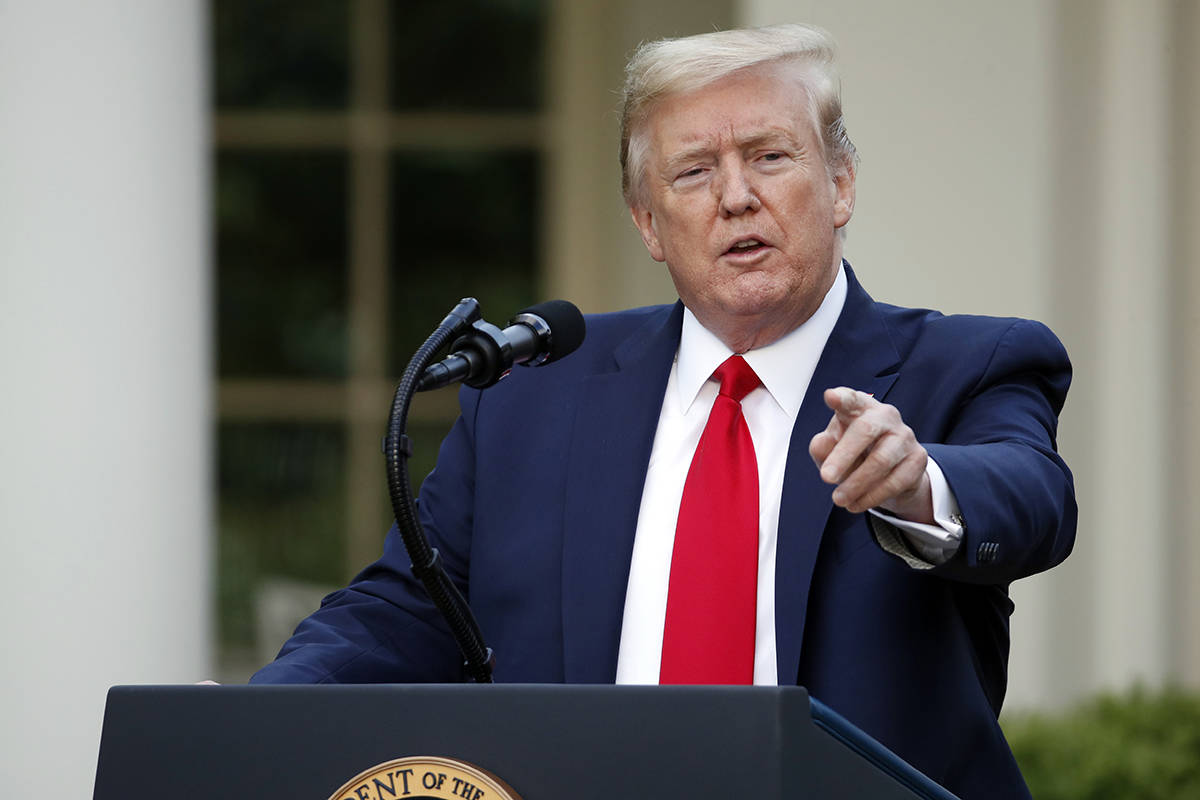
(545, 742)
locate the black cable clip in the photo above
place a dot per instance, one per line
(406, 446)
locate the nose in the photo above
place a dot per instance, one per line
(737, 193)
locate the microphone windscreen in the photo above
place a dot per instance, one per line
(566, 324)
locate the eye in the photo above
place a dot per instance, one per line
(691, 176)
(772, 156)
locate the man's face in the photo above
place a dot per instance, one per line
(738, 200)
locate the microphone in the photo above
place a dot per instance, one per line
(536, 335)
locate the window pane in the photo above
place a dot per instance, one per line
(463, 224)
(281, 253)
(280, 54)
(281, 513)
(469, 54)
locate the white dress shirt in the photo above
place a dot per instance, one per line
(785, 368)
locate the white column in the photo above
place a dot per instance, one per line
(1185, 541)
(104, 353)
(1131, 323)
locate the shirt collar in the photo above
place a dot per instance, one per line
(785, 366)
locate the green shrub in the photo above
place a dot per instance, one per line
(1142, 745)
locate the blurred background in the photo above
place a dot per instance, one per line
(226, 225)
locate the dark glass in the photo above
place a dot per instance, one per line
(467, 55)
(462, 224)
(281, 256)
(281, 513)
(273, 54)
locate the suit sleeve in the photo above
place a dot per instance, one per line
(999, 456)
(383, 628)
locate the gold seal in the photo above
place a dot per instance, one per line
(425, 778)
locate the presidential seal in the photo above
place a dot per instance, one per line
(425, 778)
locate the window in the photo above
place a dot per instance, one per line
(375, 162)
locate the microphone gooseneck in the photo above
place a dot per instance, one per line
(426, 562)
(483, 355)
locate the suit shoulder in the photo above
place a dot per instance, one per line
(609, 331)
(606, 334)
(914, 328)
(620, 323)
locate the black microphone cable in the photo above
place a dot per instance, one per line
(426, 561)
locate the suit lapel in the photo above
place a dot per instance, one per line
(611, 442)
(859, 354)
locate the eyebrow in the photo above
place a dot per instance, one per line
(705, 148)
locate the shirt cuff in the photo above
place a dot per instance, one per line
(932, 544)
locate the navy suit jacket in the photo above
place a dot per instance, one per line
(534, 506)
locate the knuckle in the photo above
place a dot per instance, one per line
(882, 457)
(895, 483)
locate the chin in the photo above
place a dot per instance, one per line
(756, 299)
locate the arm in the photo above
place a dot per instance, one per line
(996, 448)
(383, 627)
(1000, 460)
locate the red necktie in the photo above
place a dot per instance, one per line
(711, 602)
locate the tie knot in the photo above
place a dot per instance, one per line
(737, 378)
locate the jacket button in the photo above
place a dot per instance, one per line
(987, 552)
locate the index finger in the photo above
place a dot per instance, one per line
(847, 403)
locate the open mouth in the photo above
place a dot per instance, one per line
(745, 246)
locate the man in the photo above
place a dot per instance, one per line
(869, 477)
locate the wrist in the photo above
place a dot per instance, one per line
(915, 505)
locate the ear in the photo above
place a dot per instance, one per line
(843, 184)
(644, 220)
